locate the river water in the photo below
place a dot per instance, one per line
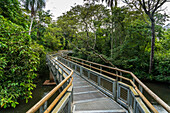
(39, 92)
(162, 90)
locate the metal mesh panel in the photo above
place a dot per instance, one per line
(93, 77)
(68, 64)
(62, 60)
(73, 66)
(131, 101)
(138, 109)
(85, 73)
(78, 69)
(65, 109)
(123, 93)
(106, 84)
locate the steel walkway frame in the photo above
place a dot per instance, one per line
(121, 89)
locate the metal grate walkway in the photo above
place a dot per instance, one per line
(88, 99)
(91, 91)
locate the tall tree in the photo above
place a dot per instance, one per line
(112, 4)
(33, 6)
(150, 7)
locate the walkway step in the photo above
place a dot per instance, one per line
(101, 111)
(80, 89)
(88, 99)
(102, 105)
(87, 96)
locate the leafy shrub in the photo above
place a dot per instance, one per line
(18, 63)
(162, 67)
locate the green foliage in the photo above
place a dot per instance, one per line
(162, 59)
(85, 29)
(52, 37)
(11, 10)
(162, 67)
(23, 57)
(95, 26)
(18, 63)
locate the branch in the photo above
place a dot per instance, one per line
(94, 51)
(99, 55)
(94, 36)
(144, 6)
(158, 6)
(102, 58)
(149, 5)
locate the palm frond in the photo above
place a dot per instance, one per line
(109, 2)
(34, 5)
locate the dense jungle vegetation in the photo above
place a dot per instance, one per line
(114, 36)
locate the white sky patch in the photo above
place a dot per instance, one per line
(58, 7)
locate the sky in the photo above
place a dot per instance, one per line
(58, 7)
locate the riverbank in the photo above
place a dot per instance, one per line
(38, 93)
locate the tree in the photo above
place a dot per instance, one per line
(87, 23)
(33, 6)
(150, 7)
(11, 10)
(19, 60)
(110, 4)
(87, 28)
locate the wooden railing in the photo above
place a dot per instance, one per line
(118, 75)
(125, 91)
(55, 65)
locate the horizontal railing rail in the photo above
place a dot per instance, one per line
(52, 62)
(124, 94)
(139, 89)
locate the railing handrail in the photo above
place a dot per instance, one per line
(140, 94)
(152, 94)
(44, 99)
(58, 97)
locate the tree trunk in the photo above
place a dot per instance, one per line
(112, 34)
(95, 40)
(115, 3)
(111, 41)
(152, 45)
(32, 18)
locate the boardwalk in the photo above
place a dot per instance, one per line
(87, 99)
(86, 89)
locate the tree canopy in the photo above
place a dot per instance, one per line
(117, 36)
